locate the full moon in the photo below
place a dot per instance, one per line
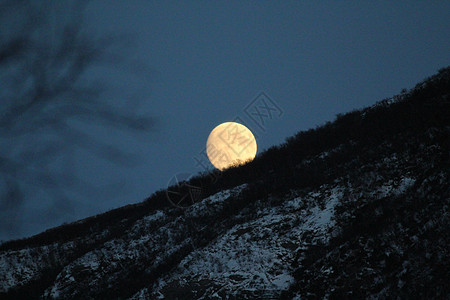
(230, 144)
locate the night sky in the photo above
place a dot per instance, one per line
(212, 62)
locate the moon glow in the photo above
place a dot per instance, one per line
(230, 144)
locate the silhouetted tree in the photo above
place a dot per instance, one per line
(45, 89)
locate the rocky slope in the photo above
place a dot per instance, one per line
(357, 208)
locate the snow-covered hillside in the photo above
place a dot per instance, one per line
(358, 208)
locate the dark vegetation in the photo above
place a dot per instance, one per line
(399, 124)
(392, 246)
(280, 168)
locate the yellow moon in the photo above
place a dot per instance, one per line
(230, 144)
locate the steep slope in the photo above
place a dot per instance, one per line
(355, 208)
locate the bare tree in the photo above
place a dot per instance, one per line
(47, 86)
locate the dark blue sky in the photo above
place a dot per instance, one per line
(210, 60)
